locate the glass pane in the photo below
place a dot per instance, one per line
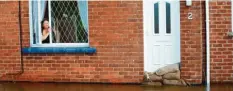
(156, 18)
(168, 18)
(69, 23)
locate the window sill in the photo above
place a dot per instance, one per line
(42, 50)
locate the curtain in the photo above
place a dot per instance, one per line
(82, 6)
(34, 6)
(42, 9)
(35, 18)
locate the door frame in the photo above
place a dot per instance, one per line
(145, 39)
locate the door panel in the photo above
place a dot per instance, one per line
(161, 33)
(156, 54)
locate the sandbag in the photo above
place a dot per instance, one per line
(154, 77)
(148, 77)
(168, 69)
(174, 82)
(172, 76)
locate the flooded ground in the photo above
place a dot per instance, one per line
(26, 86)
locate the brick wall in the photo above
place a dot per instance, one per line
(221, 46)
(9, 38)
(191, 41)
(115, 30)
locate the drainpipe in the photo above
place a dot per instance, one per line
(20, 39)
(207, 47)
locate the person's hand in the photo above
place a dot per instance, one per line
(49, 29)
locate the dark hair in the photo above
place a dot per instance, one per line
(42, 28)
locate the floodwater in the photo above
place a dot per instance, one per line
(26, 86)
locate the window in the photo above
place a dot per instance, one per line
(158, 18)
(59, 23)
(168, 18)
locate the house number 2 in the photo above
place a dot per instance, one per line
(190, 16)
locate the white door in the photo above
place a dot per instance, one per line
(161, 19)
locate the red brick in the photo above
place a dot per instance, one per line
(191, 42)
(222, 48)
(120, 55)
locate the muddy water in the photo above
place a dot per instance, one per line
(103, 87)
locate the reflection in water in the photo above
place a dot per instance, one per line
(23, 86)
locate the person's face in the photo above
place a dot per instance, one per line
(46, 24)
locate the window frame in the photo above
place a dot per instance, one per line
(52, 44)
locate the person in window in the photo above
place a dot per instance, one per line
(46, 31)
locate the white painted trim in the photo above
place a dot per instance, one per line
(62, 45)
(39, 24)
(145, 32)
(88, 25)
(50, 21)
(178, 34)
(30, 22)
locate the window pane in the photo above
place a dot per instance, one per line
(168, 18)
(69, 23)
(156, 18)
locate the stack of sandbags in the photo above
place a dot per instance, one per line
(171, 75)
(152, 79)
(168, 75)
(173, 79)
(168, 69)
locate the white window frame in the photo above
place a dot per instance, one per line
(52, 44)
